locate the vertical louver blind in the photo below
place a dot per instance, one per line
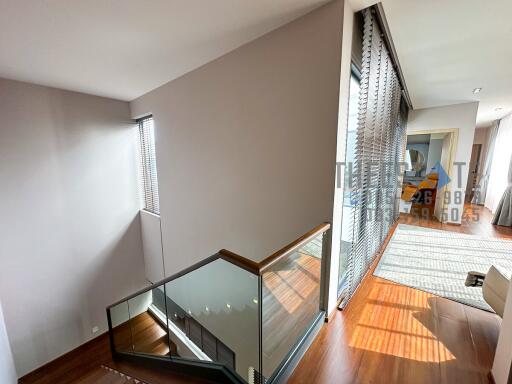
(380, 140)
(148, 165)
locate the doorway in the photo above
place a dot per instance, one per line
(429, 158)
(474, 168)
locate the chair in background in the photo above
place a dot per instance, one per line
(494, 287)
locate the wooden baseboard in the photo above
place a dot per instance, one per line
(73, 364)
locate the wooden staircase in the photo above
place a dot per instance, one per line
(92, 363)
(107, 375)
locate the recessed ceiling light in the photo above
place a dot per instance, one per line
(477, 90)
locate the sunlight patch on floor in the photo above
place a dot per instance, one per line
(405, 329)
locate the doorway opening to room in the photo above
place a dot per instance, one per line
(428, 171)
(474, 171)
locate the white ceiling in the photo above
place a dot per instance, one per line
(125, 48)
(446, 48)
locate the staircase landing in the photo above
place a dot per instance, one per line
(92, 363)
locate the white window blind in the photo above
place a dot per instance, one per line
(378, 151)
(147, 158)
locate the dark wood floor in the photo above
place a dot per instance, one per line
(107, 375)
(390, 333)
(476, 221)
(84, 364)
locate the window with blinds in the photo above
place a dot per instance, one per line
(147, 158)
(378, 154)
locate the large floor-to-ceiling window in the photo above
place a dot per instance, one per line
(374, 154)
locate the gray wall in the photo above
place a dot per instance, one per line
(246, 145)
(7, 370)
(71, 239)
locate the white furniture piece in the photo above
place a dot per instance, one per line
(494, 287)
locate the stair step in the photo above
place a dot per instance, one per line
(126, 378)
(106, 375)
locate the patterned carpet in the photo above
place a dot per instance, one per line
(438, 261)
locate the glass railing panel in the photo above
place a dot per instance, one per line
(213, 315)
(148, 324)
(121, 330)
(290, 302)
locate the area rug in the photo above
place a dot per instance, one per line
(438, 261)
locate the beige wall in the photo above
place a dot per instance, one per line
(246, 145)
(71, 240)
(461, 117)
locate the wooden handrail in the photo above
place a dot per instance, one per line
(240, 261)
(258, 268)
(286, 250)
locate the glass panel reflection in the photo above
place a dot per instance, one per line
(120, 317)
(213, 313)
(291, 302)
(148, 328)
